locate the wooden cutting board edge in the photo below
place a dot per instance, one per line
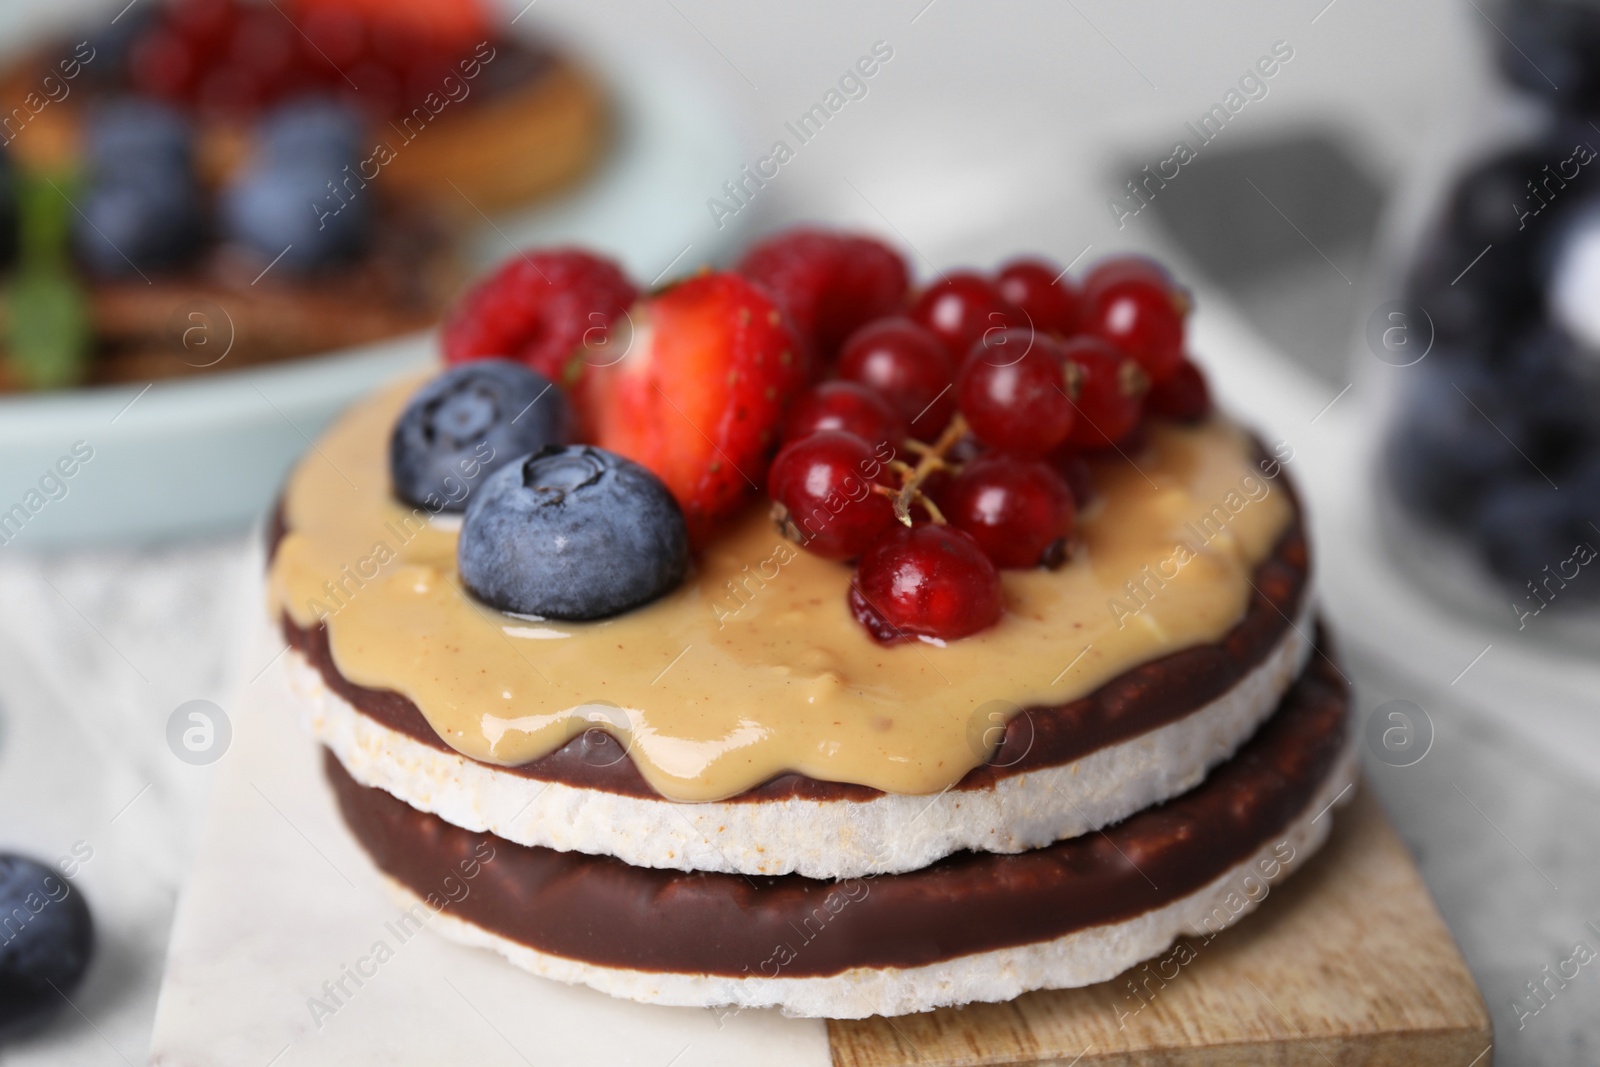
(1361, 967)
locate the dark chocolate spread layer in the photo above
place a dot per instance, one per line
(600, 910)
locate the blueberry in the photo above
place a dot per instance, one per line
(46, 939)
(1525, 526)
(140, 218)
(572, 532)
(298, 205)
(467, 423)
(1454, 437)
(129, 130)
(312, 128)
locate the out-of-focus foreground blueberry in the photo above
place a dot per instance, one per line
(468, 423)
(46, 939)
(572, 533)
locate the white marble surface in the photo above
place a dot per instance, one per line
(283, 901)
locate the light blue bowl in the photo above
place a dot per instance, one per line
(207, 454)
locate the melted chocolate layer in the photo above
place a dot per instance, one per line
(600, 910)
(1143, 699)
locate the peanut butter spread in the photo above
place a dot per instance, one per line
(755, 667)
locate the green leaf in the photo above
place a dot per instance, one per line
(47, 328)
(48, 337)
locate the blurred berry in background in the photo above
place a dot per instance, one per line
(1498, 435)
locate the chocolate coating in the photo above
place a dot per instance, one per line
(600, 910)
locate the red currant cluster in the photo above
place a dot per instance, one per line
(231, 58)
(949, 442)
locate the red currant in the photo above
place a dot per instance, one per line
(1143, 318)
(961, 307)
(1012, 391)
(825, 482)
(907, 366)
(1074, 470)
(1043, 291)
(1019, 511)
(1110, 390)
(1117, 269)
(1183, 397)
(847, 406)
(925, 580)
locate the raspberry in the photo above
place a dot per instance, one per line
(829, 283)
(539, 309)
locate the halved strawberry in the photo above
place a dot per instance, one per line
(699, 393)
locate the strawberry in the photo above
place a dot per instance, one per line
(698, 394)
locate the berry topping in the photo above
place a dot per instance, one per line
(572, 532)
(925, 581)
(1043, 291)
(1110, 390)
(49, 938)
(467, 423)
(698, 394)
(847, 406)
(906, 365)
(1013, 392)
(232, 57)
(1141, 315)
(1019, 511)
(828, 283)
(961, 307)
(1183, 396)
(827, 485)
(541, 308)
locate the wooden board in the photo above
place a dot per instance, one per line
(1346, 963)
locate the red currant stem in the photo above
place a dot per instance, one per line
(932, 460)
